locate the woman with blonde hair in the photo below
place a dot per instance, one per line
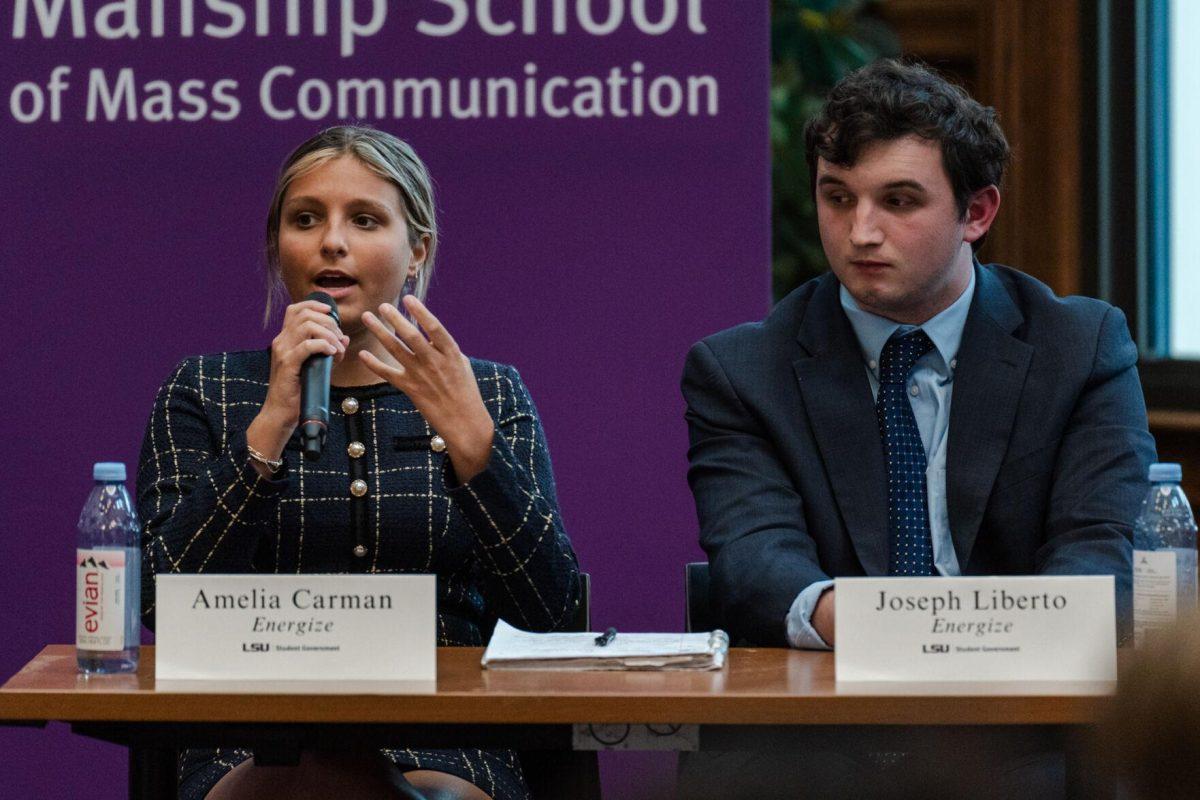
(433, 463)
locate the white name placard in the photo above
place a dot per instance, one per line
(296, 627)
(1040, 628)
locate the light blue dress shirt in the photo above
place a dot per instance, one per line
(929, 389)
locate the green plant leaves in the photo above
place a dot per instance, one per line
(814, 43)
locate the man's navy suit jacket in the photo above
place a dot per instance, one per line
(1045, 471)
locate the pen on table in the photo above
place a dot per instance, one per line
(603, 639)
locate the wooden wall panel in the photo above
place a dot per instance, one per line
(947, 34)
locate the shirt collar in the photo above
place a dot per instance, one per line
(944, 329)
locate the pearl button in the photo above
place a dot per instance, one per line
(356, 449)
(914, 391)
(873, 364)
(358, 488)
(437, 443)
(954, 363)
(359, 550)
(349, 406)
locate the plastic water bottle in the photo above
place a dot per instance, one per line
(108, 576)
(1164, 555)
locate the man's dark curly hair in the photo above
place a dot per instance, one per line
(890, 99)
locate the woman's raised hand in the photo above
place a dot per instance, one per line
(437, 377)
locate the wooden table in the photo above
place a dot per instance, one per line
(759, 689)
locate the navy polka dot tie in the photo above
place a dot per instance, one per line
(910, 546)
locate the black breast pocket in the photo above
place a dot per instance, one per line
(419, 460)
(412, 444)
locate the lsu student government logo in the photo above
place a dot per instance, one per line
(935, 648)
(255, 647)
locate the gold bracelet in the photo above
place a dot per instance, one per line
(274, 466)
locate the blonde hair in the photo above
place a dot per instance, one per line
(388, 157)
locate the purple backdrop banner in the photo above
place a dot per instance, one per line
(602, 171)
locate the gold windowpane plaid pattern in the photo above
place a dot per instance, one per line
(496, 543)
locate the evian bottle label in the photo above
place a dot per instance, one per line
(100, 600)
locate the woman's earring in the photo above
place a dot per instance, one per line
(410, 285)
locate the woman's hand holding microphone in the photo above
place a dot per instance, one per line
(308, 330)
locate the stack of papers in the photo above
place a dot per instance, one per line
(511, 648)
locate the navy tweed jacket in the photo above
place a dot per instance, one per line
(496, 543)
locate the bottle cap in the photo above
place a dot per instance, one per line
(1166, 473)
(108, 471)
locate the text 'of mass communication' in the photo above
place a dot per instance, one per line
(286, 91)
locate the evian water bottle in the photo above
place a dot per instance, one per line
(1164, 555)
(108, 576)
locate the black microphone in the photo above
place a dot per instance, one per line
(314, 391)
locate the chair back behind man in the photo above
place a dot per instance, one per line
(697, 613)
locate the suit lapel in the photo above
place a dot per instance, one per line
(837, 397)
(988, 379)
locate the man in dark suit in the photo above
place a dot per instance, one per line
(912, 412)
(1028, 405)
